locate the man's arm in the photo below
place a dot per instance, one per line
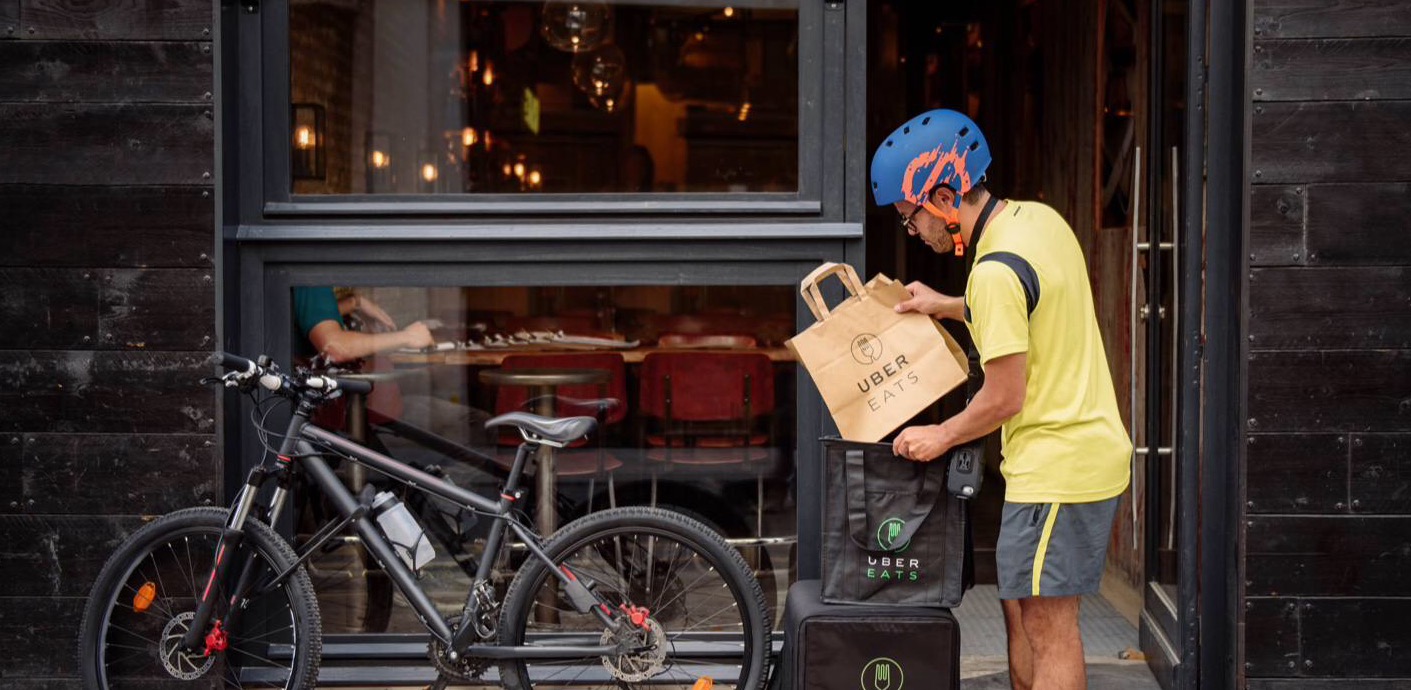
(932, 303)
(997, 401)
(339, 345)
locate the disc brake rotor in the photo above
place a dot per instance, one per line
(637, 666)
(181, 664)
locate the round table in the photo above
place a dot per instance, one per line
(543, 386)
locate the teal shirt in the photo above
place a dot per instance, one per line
(312, 306)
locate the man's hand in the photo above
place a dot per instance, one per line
(921, 443)
(931, 303)
(417, 336)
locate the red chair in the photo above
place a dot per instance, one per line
(709, 409)
(608, 403)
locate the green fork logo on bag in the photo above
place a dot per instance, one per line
(882, 674)
(887, 535)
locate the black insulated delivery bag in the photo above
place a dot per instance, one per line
(833, 647)
(892, 535)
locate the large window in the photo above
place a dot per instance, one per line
(693, 388)
(445, 97)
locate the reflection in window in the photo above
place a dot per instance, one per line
(439, 97)
(692, 387)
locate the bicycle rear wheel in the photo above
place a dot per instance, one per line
(146, 596)
(706, 611)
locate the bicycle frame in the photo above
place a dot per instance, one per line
(300, 446)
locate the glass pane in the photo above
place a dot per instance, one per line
(715, 442)
(438, 97)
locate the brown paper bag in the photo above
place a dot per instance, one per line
(874, 367)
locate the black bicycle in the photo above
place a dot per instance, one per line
(619, 598)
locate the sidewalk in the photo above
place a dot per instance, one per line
(989, 673)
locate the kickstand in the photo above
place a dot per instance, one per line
(441, 682)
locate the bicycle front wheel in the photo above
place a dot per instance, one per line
(705, 611)
(146, 596)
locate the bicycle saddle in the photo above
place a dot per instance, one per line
(559, 431)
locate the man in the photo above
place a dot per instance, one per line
(1028, 304)
(319, 313)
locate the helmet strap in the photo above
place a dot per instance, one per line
(956, 239)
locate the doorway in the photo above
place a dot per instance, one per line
(1083, 107)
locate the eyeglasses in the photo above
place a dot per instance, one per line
(908, 220)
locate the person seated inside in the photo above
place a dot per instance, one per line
(322, 317)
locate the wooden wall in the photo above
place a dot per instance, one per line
(107, 299)
(1328, 476)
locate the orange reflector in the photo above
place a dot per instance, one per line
(143, 600)
(705, 683)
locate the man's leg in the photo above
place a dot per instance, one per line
(1021, 656)
(1051, 624)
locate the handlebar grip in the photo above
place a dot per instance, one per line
(235, 362)
(354, 386)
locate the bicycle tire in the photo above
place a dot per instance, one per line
(178, 549)
(657, 526)
(763, 569)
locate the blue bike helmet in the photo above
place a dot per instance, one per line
(939, 147)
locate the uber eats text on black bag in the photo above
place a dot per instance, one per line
(892, 533)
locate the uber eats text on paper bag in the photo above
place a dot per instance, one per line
(875, 368)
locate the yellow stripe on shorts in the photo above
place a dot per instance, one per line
(1043, 547)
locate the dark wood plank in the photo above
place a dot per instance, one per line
(58, 556)
(105, 392)
(1332, 69)
(9, 19)
(1359, 224)
(1347, 390)
(107, 144)
(106, 226)
(1381, 473)
(50, 308)
(118, 19)
(1344, 556)
(1276, 226)
(39, 636)
(1296, 473)
(1271, 637)
(116, 72)
(1330, 18)
(11, 469)
(158, 309)
(119, 474)
(1350, 141)
(1332, 308)
(1344, 638)
(1329, 684)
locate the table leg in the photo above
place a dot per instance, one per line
(547, 494)
(357, 430)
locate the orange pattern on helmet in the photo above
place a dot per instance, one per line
(936, 161)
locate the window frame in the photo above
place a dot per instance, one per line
(268, 176)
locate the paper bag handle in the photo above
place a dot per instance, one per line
(808, 287)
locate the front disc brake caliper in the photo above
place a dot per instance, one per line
(216, 640)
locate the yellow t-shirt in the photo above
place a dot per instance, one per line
(1067, 445)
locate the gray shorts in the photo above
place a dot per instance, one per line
(1053, 549)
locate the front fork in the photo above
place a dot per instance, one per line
(230, 558)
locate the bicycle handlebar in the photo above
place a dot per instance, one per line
(272, 379)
